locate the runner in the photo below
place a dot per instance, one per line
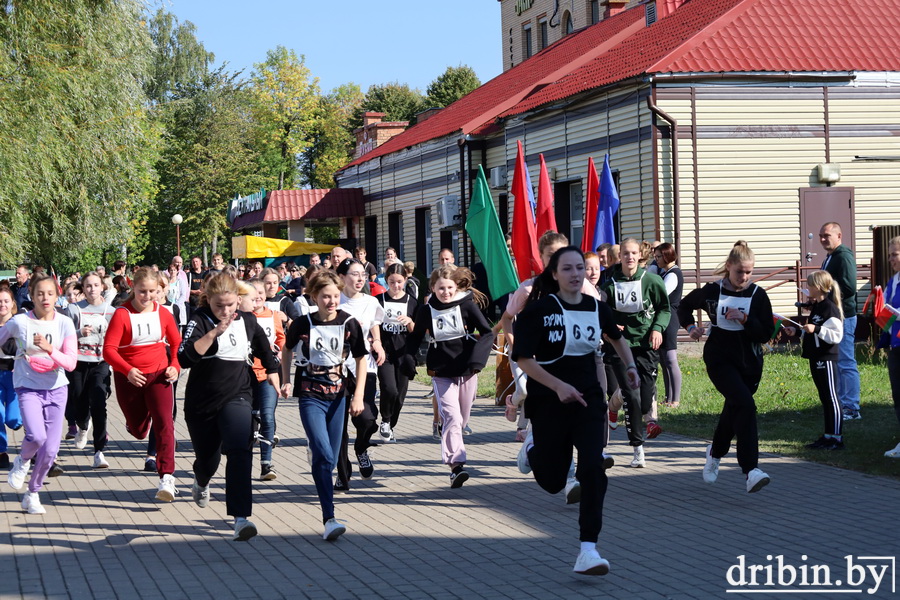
(557, 338)
(89, 383)
(741, 317)
(218, 398)
(10, 415)
(641, 307)
(452, 318)
(276, 299)
(136, 348)
(668, 269)
(46, 346)
(891, 339)
(399, 308)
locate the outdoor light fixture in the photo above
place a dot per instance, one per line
(829, 173)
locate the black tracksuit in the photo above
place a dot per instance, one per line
(391, 379)
(821, 348)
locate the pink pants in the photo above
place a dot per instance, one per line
(43, 414)
(455, 396)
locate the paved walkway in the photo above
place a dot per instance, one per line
(667, 534)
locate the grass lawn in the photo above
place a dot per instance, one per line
(789, 412)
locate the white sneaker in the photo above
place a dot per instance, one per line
(200, 495)
(893, 453)
(386, 433)
(522, 458)
(333, 529)
(243, 529)
(17, 473)
(100, 461)
(638, 460)
(32, 504)
(711, 468)
(82, 436)
(573, 491)
(756, 480)
(166, 491)
(591, 563)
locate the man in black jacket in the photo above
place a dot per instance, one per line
(841, 264)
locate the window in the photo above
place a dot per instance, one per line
(395, 232)
(371, 231)
(595, 11)
(527, 49)
(543, 34)
(569, 210)
(503, 213)
(568, 25)
(423, 240)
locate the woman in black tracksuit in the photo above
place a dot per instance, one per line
(218, 399)
(741, 317)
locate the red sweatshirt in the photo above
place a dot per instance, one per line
(141, 340)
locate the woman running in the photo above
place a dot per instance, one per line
(740, 314)
(89, 383)
(668, 352)
(557, 338)
(453, 319)
(218, 399)
(641, 307)
(46, 346)
(10, 415)
(327, 337)
(137, 348)
(399, 310)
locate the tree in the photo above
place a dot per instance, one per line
(179, 58)
(284, 104)
(331, 141)
(77, 144)
(450, 86)
(396, 100)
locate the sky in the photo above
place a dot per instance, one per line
(361, 41)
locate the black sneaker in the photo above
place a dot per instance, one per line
(365, 465)
(341, 487)
(458, 478)
(267, 473)
(822, 442)
(150, 465)
(4, 460)
(55, 470)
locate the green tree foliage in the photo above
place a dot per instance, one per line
(77, 145)
(397, 100)
(285, 99)
(450, 86)
(331, 141)
(178, 59)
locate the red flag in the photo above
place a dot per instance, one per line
(524, 236)
(590, 207)
(546, 219)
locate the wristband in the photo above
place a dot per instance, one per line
(631, 366)
(691, 327)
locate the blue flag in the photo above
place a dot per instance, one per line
(604, 228)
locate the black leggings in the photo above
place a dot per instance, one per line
(227, 431)
(366, 424)
(557, 429)
(824, 373)
(737, 383)
(393, 385)
(894, 377)
(88, 391)
(637, 403)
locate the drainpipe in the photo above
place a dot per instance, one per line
(676, 197)
(463, 176)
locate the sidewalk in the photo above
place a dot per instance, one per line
(666, 533)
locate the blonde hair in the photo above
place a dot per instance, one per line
(549, 238)
(463, 278)
(740, 252)
(139, 276)
(894, 241)
(824, 281)
(219, 284)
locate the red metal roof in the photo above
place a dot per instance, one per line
(294, 205)
(701, 36)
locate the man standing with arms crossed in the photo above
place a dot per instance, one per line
(841, 264)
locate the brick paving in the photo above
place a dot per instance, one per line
(666, 533)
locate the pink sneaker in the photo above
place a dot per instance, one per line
(520, 435)
(512, 411)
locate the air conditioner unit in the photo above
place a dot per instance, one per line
(447, 209)
(498, 178)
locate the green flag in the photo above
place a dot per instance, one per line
(483, 226)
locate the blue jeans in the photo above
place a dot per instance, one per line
(265, 399)
(848, 379)
(323, 422)
(9, 408)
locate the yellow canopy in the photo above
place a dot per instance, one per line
(250, 246)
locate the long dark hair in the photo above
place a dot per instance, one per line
(545, 284)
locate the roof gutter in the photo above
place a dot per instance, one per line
(756, 75)
(676, 196)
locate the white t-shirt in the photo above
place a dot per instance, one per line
(369, 312)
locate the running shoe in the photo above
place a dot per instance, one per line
(436, 431)
(608, 461)
(200, 494)
(275, 440)
(512, 411)
(591, 563)
(267, 472)
(386, 433)
(467, 430)
(166, 490)
(458, 478)
(653, 430)
(17, 473)
(850, 414)
(333, 529)
(522, 458)
(32, 504)
(365, 465)
(893, 452)
(243, 529)
(100, 461)
(613, 419)
(520, 434)
(81, 437)
(55, 470)
(72, 432)
(150, 465)
(756, 480)
(638, 461)
(711, 468)
(341, 487)
(573, 491)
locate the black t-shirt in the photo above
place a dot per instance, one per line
(547, 326)
(196, 281)
(393, 334)
(371, 270)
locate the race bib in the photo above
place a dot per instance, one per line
(268, 325)
(326, 345)
(725, 304)
(233, 344)
(392, 311)
(629, 296)
(582, 332)
(146, 328)
(91, 345)
(48, 329)
(447, 324)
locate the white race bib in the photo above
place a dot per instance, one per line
(268, 325)
(146, 328)
(447, 324)
(91, 345)
(393, 310)
(273, 305)
(629, 296)
(326, 344)
(728, 302)
(48, 329)
(233, 344)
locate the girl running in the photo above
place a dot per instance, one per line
(46, 346)
(819, 343)
(218, 399)
(89, 383)
(276, 299)
(641, 307)
(668, 352)
(136, 347)
(10, 416)
(399, 309)
(891, 339)
(327, 337)
(452, 318)
(741, 318)
(557, 338)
